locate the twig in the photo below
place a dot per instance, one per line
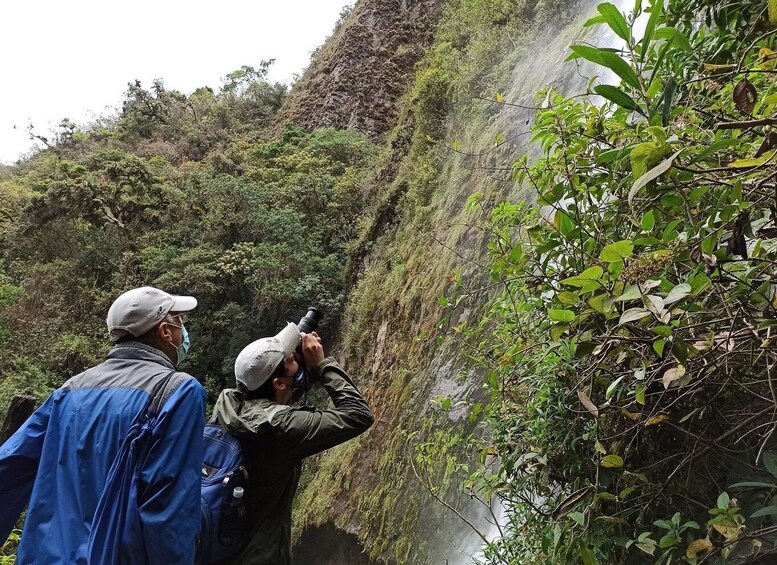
(746, 124)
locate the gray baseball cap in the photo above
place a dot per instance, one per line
(138, 310)
(257, 361)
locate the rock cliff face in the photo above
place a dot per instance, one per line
(421, 84)
(356, 78)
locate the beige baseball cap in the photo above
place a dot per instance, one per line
(257, 361)
(138, 310)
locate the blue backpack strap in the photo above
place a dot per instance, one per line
(115, 525)
(155, 399)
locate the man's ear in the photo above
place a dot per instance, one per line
(278, 384)
(164, 332)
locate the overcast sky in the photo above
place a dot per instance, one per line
(74, 58)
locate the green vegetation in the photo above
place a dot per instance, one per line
(629, 352)
(8, 549)
(182, 192)
(623, 330)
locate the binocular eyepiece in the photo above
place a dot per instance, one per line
(309, 322)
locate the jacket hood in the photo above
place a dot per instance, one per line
(242, 417)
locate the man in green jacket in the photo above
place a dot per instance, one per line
(277, 437)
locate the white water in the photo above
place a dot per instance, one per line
(529, 75)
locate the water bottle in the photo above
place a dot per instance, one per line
(233, 518)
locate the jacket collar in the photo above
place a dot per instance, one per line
(141, 351)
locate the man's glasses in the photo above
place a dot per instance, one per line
(182, 317)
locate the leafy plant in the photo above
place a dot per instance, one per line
(8, 549)
(631, 344)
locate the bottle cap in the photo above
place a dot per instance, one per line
(238, 492)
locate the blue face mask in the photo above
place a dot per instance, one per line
(183, 349)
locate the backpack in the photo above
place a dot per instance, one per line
(116, 531)
(224, 522)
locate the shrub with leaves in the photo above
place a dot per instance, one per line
(631, 354)
(8, 549)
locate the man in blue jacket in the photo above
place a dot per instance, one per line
(59, 460)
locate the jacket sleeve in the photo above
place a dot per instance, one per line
(305, 432)
(169, 505)
(19, 458)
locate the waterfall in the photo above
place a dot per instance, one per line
(531, 73)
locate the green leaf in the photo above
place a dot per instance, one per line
(611, 155)
(672, 200)
(659, 60)
(677, 293)
(561, 315)
(626, 492)
(658, 346)
(646, 155)
(558, 330)
(652, 174)
(653, 88)
(655, 13)
(611, 461)
(723, 501)
(714, 148)
(678, 37)
(648, 546)
(648, 221)
(613, 387)
(616, 95)
(588, 556)
(568, 297)
(767, 511)
(753, 484)
(578, 517)
(668, 98)
(639, 394)
(596, 20)
(617, 251)
(664, 331)
(668, 540)
(633, 292)
(633, 314)
(699, 282)
(770, 462)
(755, 162)
(591, 274)
(615, 20)
(599, 304)
(607, 59)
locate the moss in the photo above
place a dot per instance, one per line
(402, 262)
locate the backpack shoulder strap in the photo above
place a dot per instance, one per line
(155, 398)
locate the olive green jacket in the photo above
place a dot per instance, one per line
(276, 438)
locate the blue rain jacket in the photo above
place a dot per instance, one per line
(58, 461)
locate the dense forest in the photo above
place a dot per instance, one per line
(545, 248)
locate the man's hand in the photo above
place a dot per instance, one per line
(312, 350)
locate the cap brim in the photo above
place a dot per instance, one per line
(183, 303)
(290, 338)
